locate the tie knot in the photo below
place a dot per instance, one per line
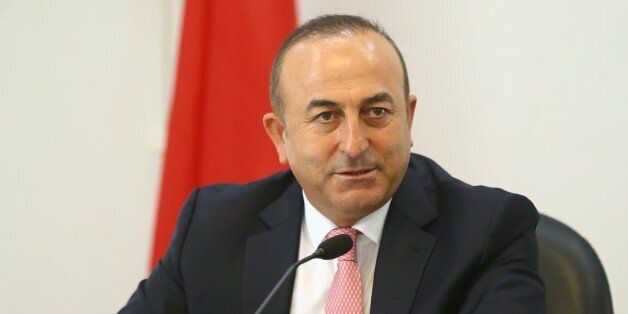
(351, 232)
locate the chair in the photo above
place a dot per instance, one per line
(572, 272)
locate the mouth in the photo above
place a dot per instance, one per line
(357, 173)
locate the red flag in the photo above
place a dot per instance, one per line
(215, 132)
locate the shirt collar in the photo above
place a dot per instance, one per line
(318, 226)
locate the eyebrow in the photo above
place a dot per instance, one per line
(316, 103)
(379, 97)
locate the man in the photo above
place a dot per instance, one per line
(425, 242)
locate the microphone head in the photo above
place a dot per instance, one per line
(334, 247)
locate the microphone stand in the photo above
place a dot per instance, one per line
(285, 276)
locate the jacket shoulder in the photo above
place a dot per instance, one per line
(477, 209)
(233, 209)
(263, 191)
(452, 190)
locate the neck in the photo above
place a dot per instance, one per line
(343, 222)
(343, 215)
(344, 218)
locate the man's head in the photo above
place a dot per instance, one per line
(342, 115)
(320, 27)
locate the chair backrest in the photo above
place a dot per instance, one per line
(572, 272)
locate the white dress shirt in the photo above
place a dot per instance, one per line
(313, 279)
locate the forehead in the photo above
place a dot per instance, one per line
(345, 63)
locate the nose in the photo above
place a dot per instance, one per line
(354, 141)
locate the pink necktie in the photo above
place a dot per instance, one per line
(345, 295)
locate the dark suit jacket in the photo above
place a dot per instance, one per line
(446, 247)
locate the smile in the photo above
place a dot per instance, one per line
(357, 174)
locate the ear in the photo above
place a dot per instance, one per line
(410, 110)
(275, 130)
(410, 115)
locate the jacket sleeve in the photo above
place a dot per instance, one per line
(507, 279)
(164, 291)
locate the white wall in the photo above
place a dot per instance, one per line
(523, 95)
(83, 88)
(529, 96)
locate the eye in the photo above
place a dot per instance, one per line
(377, 112)
(326, 116)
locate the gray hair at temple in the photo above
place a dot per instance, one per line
(325, 26)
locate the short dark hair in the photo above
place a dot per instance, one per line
(321, 27)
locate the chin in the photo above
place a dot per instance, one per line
(360, 203)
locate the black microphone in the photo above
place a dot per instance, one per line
(328, 249)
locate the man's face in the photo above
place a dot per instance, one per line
(346, 127)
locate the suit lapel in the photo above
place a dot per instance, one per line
(269, 254)
(404, 248)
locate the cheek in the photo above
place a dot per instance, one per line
(394, 140)
(304, 152)
(394, 149)
(316, 145)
